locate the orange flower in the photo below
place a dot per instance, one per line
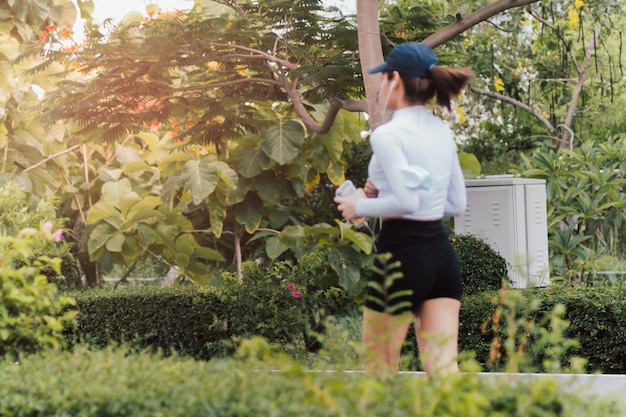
(43, 36)
(50, 27)
(213, 65)
(65, 32)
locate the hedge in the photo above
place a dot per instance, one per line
(207, 322)
(114, 383)
(210, 323)
(596, 316)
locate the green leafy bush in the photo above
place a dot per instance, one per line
(31, 312)
(19, 210)
(482, 267)
(259, 382)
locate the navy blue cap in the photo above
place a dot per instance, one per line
(413, 59)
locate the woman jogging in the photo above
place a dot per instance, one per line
(414, 181)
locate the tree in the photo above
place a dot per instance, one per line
(553, 68)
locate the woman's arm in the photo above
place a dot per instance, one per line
(456, 200)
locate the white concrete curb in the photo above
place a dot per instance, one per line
(605, 384)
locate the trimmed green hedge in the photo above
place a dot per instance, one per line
(596, 316)
(114, 383)
(207, 322)
(210, 323)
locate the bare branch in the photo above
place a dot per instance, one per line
(578, 88)
(49, 158)
(515, 103)
(260, 54)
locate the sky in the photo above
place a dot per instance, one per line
(117, 9)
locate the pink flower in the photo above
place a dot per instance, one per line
(58, 235)
(292, 286)
(47, 226)
(296, 294)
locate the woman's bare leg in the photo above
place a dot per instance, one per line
(437, 331)
(383, 336)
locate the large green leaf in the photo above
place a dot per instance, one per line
(269, 187)
(115, 242)
(249, 212)
(127, 154)
(282, 142)
(251, 162)
(293, 236)
(274, 248)
(336, 173)
(145, 210)
(130, 250)
(199, 176)
(146, 234)
(227, 174)
(361, 240)
(217, 214)
(114, 191)
(208, 254)
(470, 164)
(100, 211)
(98, 239)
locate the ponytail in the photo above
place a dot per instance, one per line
(444, 84)
(448, 83)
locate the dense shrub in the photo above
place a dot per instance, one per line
(212, 322)
(593, 317)
(20, 210)
(115, 383)
(482, 267)
(31, 312)
(208, 321)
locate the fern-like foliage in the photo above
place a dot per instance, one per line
(391, 302)
(198, 74)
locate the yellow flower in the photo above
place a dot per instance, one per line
(242, 70)
(498, 83)
(461, 114)
(579, 4)
(573, 18)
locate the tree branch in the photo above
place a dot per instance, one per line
(464, 23)
(43, 161)
(578, 88)
(515, 103)
(559, 34)
(261, 54)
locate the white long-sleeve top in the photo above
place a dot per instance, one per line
(414, 140)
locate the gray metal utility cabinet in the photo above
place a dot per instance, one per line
(510, 214)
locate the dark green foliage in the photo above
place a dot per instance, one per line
(207, 322)
(211, 323)
(112, 383)
(482, 267)
(70, 274)
(596, 321)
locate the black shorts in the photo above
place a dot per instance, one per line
(428, 264)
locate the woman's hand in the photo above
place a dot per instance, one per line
(370, 189)
(347, 205)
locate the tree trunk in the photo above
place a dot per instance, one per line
(371, 52)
